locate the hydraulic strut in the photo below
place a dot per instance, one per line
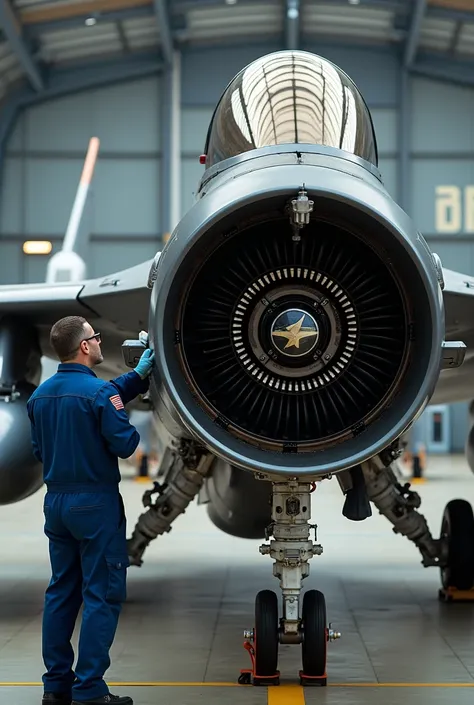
(399, 504)
(186, 467)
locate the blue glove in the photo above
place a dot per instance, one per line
(145, 363)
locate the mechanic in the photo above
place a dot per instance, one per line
(79, 429)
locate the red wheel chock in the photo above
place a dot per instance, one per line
(313, 680)
(248, 675)
(452, 594)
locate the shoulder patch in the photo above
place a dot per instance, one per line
(117, 401)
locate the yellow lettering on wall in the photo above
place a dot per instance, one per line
(469, 209)
(448, 215)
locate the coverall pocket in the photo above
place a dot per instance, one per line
(117, 565)
(85, 507)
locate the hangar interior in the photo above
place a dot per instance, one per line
(144, 76)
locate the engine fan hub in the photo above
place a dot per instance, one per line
(294, 333)
(303, 330)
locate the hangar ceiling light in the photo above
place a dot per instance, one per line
(37, 247)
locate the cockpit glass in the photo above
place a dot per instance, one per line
(291, 97)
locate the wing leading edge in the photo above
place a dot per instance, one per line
(117, 305)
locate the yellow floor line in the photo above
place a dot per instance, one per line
(285, 695)
(292, 693)
(402, 685)
(142, 684)
(187, 684)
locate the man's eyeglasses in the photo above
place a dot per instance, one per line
(96, 336)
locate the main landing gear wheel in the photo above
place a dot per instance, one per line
(457, 530)
(315, 638)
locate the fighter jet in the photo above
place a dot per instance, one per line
(301, 324)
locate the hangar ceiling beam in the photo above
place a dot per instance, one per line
(411, 45)
(123, 37)
(292, 24)
(440, 69)
(166, 37)
(9, 114)
(442, 13)
(184, 5)
(453, 4)
(456, 36)
(13, 31)
(93, 74)
(36, 29)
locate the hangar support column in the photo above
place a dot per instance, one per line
(170, 200)
(404, 104)
(404, 141)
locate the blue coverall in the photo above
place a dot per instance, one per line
(79, 430)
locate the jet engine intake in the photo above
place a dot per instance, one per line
(298, 355)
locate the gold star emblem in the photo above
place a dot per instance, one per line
(294, 333)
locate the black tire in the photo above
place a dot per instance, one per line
(266, 633)
(457, 528)
(314, 646)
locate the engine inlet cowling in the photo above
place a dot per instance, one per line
(295, 343)
(296, 356)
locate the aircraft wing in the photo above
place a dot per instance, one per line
(116, 305)
(458, 384)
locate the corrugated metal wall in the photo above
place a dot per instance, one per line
(122, 223)
(44, 160)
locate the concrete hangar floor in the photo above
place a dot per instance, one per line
(180, 636)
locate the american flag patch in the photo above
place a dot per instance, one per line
(117, 402)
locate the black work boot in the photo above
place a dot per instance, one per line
(105, 699)
(56, 699)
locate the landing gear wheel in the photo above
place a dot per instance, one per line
(457, 528)
(315, 636)
(266, 638)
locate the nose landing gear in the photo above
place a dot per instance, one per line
(291, 549)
